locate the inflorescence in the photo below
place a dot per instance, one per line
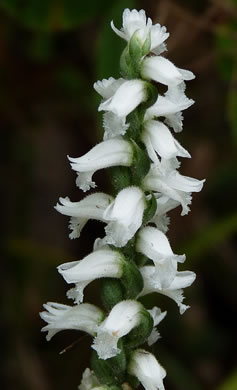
(134, 258)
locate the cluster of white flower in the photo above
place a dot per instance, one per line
(134, 258)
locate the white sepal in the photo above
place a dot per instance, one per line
(127, 97)
(109, 153)
(99, 264)
(155, 245)
(84, 317)
(125, 214)
(158, 139)
(175, 289)
(91, 207)
(147, 369)
(164, 71)
(121, 320)
(164, 204)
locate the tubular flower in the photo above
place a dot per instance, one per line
(155, 245)
(146, 368)
(175, 289)
(83, 317)
(107, 154)
(91, 207)
(134, 256)
(100, 264)
(134, 90)
(121, 320)
(125, 214)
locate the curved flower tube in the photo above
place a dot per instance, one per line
(175, 289)
(125, 214)
(99, 264)
(147, 369)
(155, 245)
(91, 207)
(110, 153)
(84, 317)
(121, 320)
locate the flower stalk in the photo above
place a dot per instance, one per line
(134, 258)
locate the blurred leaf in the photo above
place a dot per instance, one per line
(53, 15)
(210, 236)
(230, 383)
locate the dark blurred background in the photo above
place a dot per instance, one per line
(51, 53)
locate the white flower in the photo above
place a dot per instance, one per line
(121, 96)
(121, 320)
(164, 71)
(175, 289)
(125, 214)
(135, 21)
(170, 105)
(165, 179)
(110, 153)
(84, 317)
(91, 207)
(157, 316)
(147, 369)
(89, 380)
(158, 139)
(99, 264)
(155, 245)
(114, 125)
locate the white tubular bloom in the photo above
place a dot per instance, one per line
(158, 139)
(99, 264)
(175, 289)
(121, 320)
(114, 125)
(126, 98)
(125, 214)
(170, 105)
(84, 317)
(155, 245)
(157, 316)
(91, 207)
(106, 154)
(164, 71)
(135, 21)
(147, 369)
(166, 180)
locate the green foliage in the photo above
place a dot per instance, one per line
(53, 15)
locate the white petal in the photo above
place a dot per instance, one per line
(125, 214)
(84, 317)
(127, 97)
(106, 154)
(121, 320)
(163, 71)
(147, 369)
(158, 36)
(91, 207)
(162, 140)
(98, 264)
